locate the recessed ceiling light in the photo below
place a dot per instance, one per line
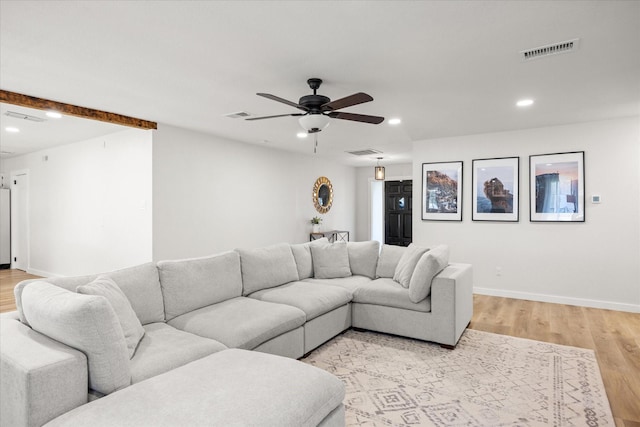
(12, 129)
(302, 134)
(53, 114)
(524, 102)
(395, 121)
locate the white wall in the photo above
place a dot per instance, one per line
(212, 195)
(595, 263)
(89, 204)
(364, 176)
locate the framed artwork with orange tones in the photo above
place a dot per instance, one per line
(496, 189)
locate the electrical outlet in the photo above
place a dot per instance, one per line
(498, 271)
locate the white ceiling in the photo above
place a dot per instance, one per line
(445, 67)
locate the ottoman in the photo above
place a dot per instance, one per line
(229, 388)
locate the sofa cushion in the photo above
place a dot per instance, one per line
(267, 267)
(302, 255)
(140, 284)
(131, 327)
(363, 257)
(350, 283)
(85, 322)
(312, 299)
(407, 263)
(241, 322)
(388, 260)
(229, 388)
(198, 282)
(164, 348)
(330, 261)
(389, 293)
(430, 264)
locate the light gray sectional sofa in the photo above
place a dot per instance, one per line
(168, 343)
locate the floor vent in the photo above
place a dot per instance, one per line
(365, 152)
(22, 116)
(238, 115)
(550, 49)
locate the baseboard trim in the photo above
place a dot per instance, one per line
(581, 302)
(41, 273)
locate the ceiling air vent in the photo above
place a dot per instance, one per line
(24, 116)
(365, 152)
(238, 115)
(550, 49)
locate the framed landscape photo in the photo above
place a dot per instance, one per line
(442, 191)
(495, 192)
(556, 187)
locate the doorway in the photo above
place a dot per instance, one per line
(20, 220)
(398, 206)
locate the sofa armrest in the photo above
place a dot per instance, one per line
(452, 297)
(41, 378)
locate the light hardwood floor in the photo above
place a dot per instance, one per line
(613, 335)
(8, 280)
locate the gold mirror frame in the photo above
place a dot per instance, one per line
(322, 181)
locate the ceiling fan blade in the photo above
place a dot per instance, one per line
(284, 101)
(347, 101)
(273, 117)
(356, 117)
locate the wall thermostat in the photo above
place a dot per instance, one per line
(595, 199)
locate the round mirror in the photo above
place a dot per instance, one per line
(322, 194)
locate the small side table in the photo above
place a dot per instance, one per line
(332, 235)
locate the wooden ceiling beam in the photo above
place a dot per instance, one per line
(73, 110)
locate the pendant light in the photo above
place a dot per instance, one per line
(379, 171)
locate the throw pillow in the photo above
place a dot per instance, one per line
(87, 323)
(302, 255)
(267, 267)
(388, 260)
(190, 284)
(331, 261)
(430, 264)
(131, 326)
(363, 258)
(407, 264)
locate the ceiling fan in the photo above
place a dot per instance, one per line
(318, 109)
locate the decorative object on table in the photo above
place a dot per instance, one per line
(556, 187)
(322, 194)
(496, 189)
(379, 171)
(488, 380)
(315, 224)
(442, 191)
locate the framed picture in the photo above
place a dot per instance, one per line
(442, 191)
(556, 187)
(496, 189)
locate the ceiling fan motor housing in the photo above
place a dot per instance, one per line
(314, 102)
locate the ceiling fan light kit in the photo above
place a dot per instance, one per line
(319, 109)
(313, 123)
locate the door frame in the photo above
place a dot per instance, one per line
(372, 199)
(15, 234)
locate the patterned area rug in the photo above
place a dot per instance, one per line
(488, 380)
